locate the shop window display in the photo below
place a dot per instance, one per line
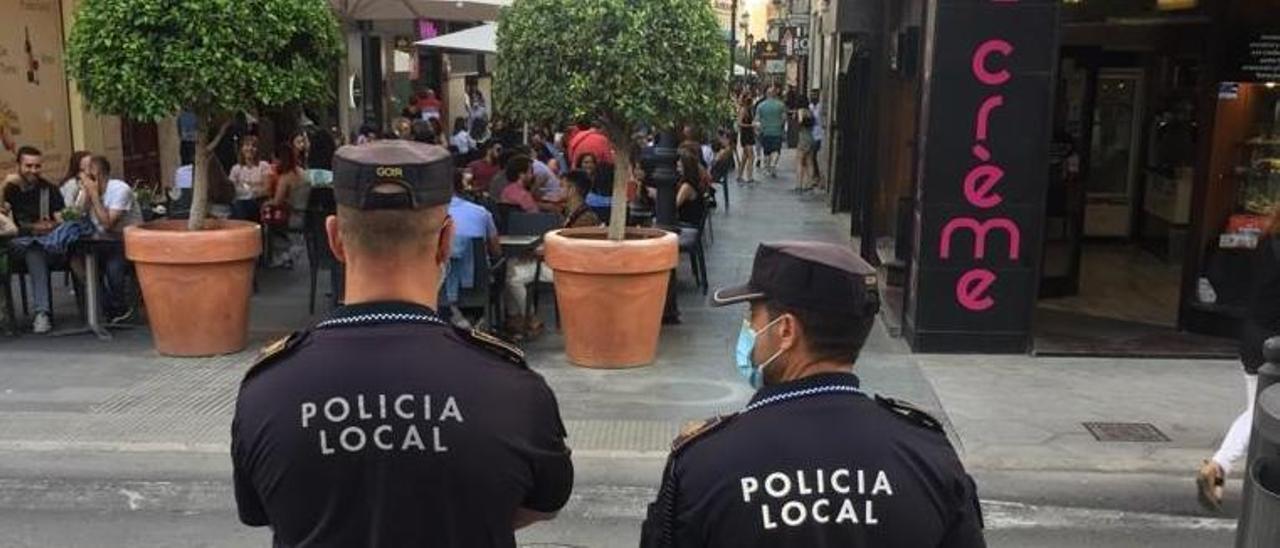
(1246, 168)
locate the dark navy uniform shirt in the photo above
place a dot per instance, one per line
(813, 463)
(385, 427)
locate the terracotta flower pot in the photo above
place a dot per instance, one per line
(196, 283)
(611, 294)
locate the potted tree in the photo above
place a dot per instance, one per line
(149, 59)
(623, 63)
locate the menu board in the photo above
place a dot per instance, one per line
(1255, 57)
(33, 84)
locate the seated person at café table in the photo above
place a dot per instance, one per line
(521, 270)
(470, 222)
(485, 168)
(110, 204)
(249, 176)
(546, 185)
(36, 207)
(577, 213)
(520, 186)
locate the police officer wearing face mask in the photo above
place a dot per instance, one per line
(812, 461)
(383, 425)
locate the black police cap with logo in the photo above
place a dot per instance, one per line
(808, 275)
(363, 175)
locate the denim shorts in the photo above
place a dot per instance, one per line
(771, 144)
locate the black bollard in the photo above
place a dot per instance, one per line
(1262, 477)
(662, 171)
(1269, 373)
(660, 164)
(1264, 439)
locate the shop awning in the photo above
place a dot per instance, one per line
(481, 39)
(446, 10)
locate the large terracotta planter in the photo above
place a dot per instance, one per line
(196, 284)
(611, 294)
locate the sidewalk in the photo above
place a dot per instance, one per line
(79, 395)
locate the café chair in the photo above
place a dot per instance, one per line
(691, 243)
(484, 295)
(320, 205)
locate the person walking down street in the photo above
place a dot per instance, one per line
(816, 112)
(1261, 323)
(378, 426)
(804, 151)
(771, 119)
(747, 140)
(813, 460)
(36, 207)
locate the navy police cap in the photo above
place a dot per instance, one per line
(362, 175)
(808, 275)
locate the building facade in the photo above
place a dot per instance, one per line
(1047, 176)
(40, 107)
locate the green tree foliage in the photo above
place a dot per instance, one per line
(149, 59)
(622, 62)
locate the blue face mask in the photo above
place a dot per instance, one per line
(754, 374)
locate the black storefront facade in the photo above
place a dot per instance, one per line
(1023, 170)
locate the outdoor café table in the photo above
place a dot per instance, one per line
(90, 247)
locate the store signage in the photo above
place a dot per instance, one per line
(768, 50)
(1256, 57)
(980, 204)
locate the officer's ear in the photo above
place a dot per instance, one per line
(335, 242)
(444, 246)
(789, 332)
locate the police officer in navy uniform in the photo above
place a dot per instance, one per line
(383, 425)
(812, 461)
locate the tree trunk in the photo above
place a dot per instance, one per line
(200, 175)
(621, 173)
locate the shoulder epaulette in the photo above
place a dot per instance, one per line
(911, 413)
(493, 345)
(696, 430)
(275, 351)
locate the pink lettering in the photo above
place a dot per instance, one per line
(980, 231)
(980, 56)
(978, 185)
(984, 115)
(972, 287)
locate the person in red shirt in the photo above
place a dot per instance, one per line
(430, 106)
(520, 190)
(585, 139)
(484, 169)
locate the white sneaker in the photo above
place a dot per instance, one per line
(42, 324)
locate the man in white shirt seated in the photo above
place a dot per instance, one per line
(111, 205)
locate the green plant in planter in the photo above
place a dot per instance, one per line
(71, 214)
(149, 59)
(623, 62)
(145, 197)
